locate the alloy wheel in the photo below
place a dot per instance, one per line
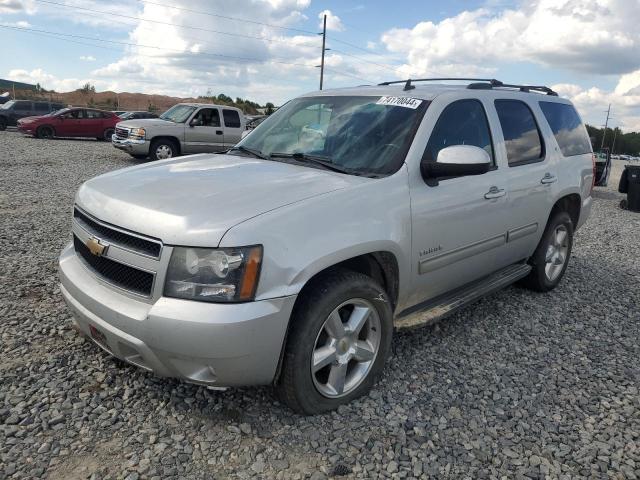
(164, 151)
(557, 251)
(345, 348)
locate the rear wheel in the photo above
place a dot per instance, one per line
(44, 132)
(339, 340)
(551, 258)
(162, 149)
(3, 123)
(106, 136)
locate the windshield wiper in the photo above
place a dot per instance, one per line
(251, 151)
(324, 162)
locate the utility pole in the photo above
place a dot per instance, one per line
(615, 134)
(324, 41)
(604, 133)
(13, 85)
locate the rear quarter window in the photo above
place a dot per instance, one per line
(567, 127)
(231, 118)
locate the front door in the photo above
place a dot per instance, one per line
(69, 124)
(459, 225)
(204, 132)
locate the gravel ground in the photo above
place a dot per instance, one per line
(520, 385)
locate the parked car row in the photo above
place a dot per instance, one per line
(71, 122)
(14, 110)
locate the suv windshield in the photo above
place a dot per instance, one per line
(361, 135)
(178, 113)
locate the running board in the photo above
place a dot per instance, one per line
(445, 305)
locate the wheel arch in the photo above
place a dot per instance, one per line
(46, 125)
(570, 203)
(173, 138)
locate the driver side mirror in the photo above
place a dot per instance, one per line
(456, 161)
(196, 122)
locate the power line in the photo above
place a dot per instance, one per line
(210, 14)
(63, 37)
(160, 22)
(222, 55)
(387, 67)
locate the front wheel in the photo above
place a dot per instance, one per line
(551, 258)
(44, 132)
(339, 340)
(162, 149)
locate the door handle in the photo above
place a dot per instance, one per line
(548, 178)
(495, 192)
(218, 132)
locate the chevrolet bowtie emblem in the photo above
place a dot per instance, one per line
(95, 247)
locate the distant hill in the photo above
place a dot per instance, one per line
(88, 97)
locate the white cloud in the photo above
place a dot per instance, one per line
(48, 80)
(372, 45)
(87, 58)
(333, 21)
(19, 24)
(592, 102)
(17, 6)
(595, 36)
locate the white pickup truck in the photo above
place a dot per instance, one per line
(183, 129)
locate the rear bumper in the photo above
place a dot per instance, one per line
(204, 343)
(131, 146)
(585, 211)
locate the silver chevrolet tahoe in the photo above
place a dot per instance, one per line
(183, 129)
(291, 259)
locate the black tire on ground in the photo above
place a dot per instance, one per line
(3, 123)
(296, 386)
(45, 131)
(139, 157)
(158, 144)
(106, 136)
(538, 279)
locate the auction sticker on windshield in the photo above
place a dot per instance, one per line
(406, 102)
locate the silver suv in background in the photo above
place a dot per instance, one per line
(347, 214)
(183, 129)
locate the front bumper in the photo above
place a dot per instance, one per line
(26, 129)
(130, 145)
(204, 343)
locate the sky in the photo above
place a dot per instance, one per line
(269, 50)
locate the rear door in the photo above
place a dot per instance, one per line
(93, 124)
(20, 109)
(233, 127)
(204, 132)
(532, 173)
(459, 225)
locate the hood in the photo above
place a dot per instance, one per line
(194, 200)
(30, 119)
(148, 122)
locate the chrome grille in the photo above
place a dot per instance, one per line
(122, 133)
(115, 273)
(130, 241)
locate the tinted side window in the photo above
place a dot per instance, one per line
(463, 122)
(94, 114)
(231, 118)
(522, 137)
(42, 107)
(567, 128)
(22, 106)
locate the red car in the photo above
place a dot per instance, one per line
(71, 122)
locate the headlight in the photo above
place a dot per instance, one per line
(214, 274)
(137, 133)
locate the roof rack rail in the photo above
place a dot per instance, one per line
(479, 84)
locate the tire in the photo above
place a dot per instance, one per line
(106, 136)
(45, 132)
(551, 257)
(3, 123)
(312, 322)
(139, 157)
(162, 149)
